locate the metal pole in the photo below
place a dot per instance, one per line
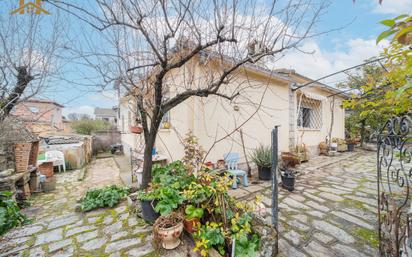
(274, 177)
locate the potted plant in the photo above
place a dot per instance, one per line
(288, 176)
(193, 215)
(351, 144)
(323, 148)
(148, 200)
(290, 158)
(340, 144)
(262, 157)
(302, 153)
(168, 229)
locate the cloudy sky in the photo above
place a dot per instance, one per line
(348, 46)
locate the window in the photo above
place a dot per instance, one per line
(309, 113)
(304, 117)
(34, 109)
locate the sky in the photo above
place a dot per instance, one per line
(350, 45)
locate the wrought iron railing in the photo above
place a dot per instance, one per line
(394, 168)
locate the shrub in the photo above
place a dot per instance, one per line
(262, 156)
(103, 197)
(10, 215)
(87, 127)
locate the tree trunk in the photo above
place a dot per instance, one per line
(23, 79)
(150, 140)
(147, 160)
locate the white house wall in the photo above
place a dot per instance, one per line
(213, 117)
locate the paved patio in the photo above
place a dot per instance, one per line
(59, 231)
(332, 211)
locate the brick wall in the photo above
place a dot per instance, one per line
(39, 112)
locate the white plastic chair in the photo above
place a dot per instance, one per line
(57, 158)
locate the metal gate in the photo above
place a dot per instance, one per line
(394, 172)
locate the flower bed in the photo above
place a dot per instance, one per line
(218, 220)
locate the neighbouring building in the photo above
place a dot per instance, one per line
(41, 116)
(107, 114)
(306, 115)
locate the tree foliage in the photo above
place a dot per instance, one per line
(87, 127)
(384, 88)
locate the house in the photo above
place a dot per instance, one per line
(30, 7)
(306, 115)
(107, 114)
(41, 116)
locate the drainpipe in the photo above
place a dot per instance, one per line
(292, 117)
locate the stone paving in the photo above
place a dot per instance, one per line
(332, 211)
(58, 231)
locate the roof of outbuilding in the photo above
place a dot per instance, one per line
(13, 130)
(42, 101)
(104, 111)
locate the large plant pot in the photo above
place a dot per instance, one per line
(148, 212)
(351, 147)
(170, 236)
(290, 158)
(288, 182)
(264, 173)
(342, 148)
(46, 168)
(190, 225)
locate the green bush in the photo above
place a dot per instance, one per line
(103, 197)
(10, 215)
(87, 127)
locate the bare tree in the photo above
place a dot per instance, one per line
(152, 47)
(29, 46)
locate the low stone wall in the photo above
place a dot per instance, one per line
(102, 140)
(262, 225)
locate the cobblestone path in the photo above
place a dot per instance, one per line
(332, 211)
(58, 231)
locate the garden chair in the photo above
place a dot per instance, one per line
(231, 160)
(57, 158)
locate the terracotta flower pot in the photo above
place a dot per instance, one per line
(138, 129)
(46, 168)
(170, 236)
(190, 225)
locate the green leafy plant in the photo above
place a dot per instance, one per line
(247, 247)
(103, 197)
(210, 235)
(262, 156)
(10, 215)
(192, 212)
(399, 26)
(169, 200)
